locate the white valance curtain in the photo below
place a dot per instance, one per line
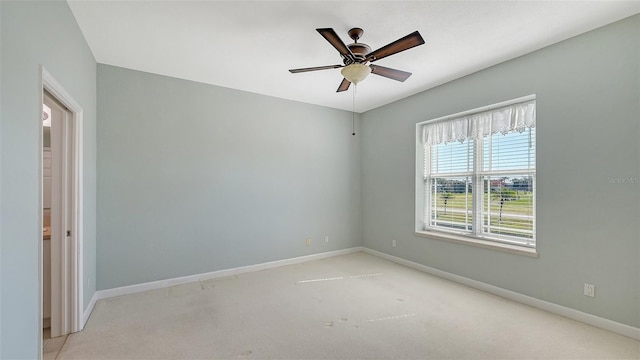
(515, 117)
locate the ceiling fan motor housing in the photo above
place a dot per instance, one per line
(359, 50)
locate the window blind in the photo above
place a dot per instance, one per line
(508, 176)
(450, 184)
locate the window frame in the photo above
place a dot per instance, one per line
(475, 238)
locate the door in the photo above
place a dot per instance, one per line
(60, 211)
(67, 314)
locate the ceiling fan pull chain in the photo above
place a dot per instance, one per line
(353, 113)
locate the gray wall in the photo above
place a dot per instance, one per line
(35, 33)
(588, 94)
(196, 178)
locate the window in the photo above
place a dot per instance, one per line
(476, 174)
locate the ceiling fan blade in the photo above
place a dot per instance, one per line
(390, 73)
(336, 42)
(402, 44)
(315, 68)
(344, 85)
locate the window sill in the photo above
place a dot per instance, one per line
(461, 239)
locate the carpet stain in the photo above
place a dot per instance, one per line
(211, 283)
(245, 354)
(183, 290)
(392, 317)
(364, 275)
(207, 284)
(332, 323)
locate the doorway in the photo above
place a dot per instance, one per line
(61, 293)
(55, 212)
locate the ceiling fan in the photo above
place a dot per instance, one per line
(356, 56)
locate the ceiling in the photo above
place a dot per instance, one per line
(250, 45)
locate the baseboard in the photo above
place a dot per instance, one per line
(570, 313)
(613, 326)
(160, 284)
(89, 310)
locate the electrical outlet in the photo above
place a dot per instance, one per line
(589, 290)
(326, 239)
(308, 242)
(393, 243)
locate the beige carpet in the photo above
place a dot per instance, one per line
(354, 306)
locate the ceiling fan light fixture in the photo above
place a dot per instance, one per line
(356, 72)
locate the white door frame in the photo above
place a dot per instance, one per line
(70, 278)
